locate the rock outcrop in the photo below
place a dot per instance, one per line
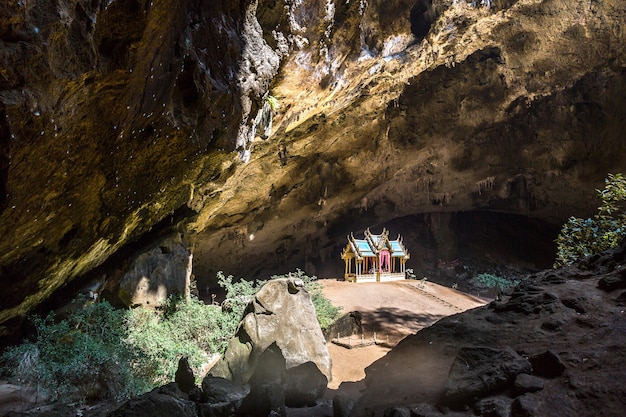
(279, 341)
(533, 355)
(164, 401)
(156, 274)
(122, 118)
(479, 371)
(280, 328)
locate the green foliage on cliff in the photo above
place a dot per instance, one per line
(580, 238)
(102, 352)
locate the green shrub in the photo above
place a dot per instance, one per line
(186, 328)
(78, 358)
(580, 238)
(100, 351)
(499, 284)
(238, 294)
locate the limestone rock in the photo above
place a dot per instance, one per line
(264, 399)
(614, 281)
(281, 317)
(184, 377)
(133, 116)
(397, 412)
(478, 371)
(220, 390)
(160, 402)
(493, 407)
(347, 325)
(547, 364)
(305, 384)
(527, 383)
(525, 405)
(18, 398)
(529, 299)
(342, 405)
(220, 397)
(156, 274)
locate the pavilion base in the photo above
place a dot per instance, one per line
(377, 277)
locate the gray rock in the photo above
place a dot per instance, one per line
(270, 319)
(493, 407)
(220, 397)
(547, 364)
(220, 390)
(217, 409)
(613, 281)
(267, 392)
(184, 376)
(578, 304)
(478, 371)
(426, 410)
(342, 405)
(530, 299)
(527, 383)
(160, 402)
(264, 398)
(525, 405)
(397, 412)
(305, 384)
(347, 325)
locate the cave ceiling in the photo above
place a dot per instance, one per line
(118, 117)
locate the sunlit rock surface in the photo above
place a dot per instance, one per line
(119, 119)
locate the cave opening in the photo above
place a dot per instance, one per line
(446, 247)
(422, 16)
(451, 247)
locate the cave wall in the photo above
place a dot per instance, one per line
(114, 115)
(111, 112)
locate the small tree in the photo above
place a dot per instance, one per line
(580, 238)
(499, 284)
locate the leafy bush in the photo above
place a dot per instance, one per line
(499, 284)
(78, 358)
(238, 295)
(580, 238)
(100, 351)
(185, 328)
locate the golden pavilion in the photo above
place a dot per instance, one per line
(375, 258)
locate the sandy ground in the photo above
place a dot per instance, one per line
(392, 310)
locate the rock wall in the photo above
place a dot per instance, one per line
(120, 116)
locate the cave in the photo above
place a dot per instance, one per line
(449, 247)
(477, 138)
(131, 144)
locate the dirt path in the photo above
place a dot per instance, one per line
(392, 310)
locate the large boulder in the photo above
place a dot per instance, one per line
(280, 315)
(165, 401)
(220, 397)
